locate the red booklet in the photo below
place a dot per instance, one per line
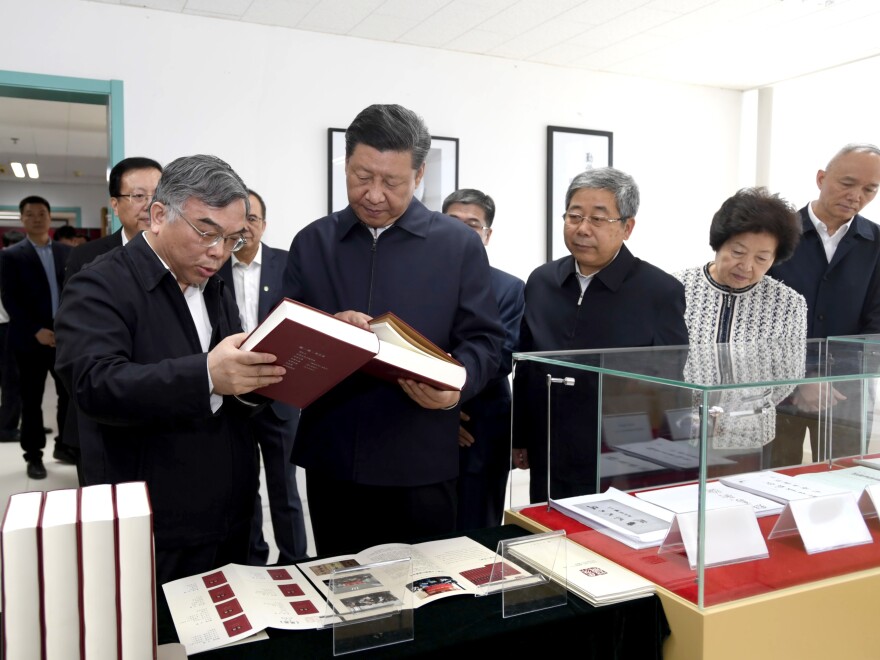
(319, 350)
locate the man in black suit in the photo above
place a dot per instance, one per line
(599, 297)
(148, 340)
(255, 273)
(484, 434)
(132, 185)
(836, 267)
(31, 273)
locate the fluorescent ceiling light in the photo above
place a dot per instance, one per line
(18, 170)
(32, 171)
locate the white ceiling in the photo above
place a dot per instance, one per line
(734, 44)
(68, 141)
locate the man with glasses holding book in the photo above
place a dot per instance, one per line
(148, 345)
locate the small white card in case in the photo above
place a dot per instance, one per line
(622, 429)
(732, 536)
(824, 523)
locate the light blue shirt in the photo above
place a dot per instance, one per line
(44, 252)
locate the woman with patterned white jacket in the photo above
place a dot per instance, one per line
(743, 326)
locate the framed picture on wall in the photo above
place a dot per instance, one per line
(441, 171)
(570, 151)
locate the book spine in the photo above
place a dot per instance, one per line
(79, 575)
(41, 581)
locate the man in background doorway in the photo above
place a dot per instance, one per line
(255, 273)
(10, 390)
(484, 434)
(31, 273)
(836, 267)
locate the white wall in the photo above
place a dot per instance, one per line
(262, 98)
(813, 117)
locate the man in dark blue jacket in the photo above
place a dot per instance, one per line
(836, 267)
(254, 273)
(381, 458)
(484, 435)
(600, 296)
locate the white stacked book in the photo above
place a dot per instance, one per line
(621, 516)
(78, 575)
(19, 545)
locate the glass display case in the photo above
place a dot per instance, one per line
(640, 454)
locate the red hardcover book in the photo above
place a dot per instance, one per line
(317, 349)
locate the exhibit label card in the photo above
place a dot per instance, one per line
(869, 502)
(824, 523)
(732, 535)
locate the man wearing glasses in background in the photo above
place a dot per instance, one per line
(254, 273)
(148, 343)
(484, 434)
(599, 297)
(132, 184)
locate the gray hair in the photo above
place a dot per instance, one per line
(389, 128)
(472, 196)
(854, 147)
(207, 178)
(626, 192)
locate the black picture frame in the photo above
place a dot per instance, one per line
(441, 171)
(570, 151)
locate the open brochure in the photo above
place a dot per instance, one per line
(683, 499)
(779, 487)
(233, 602)
(440, 569)
(619, 515)
(597, 580)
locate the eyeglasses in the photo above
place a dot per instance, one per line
(210, 239)
(575, 219)
(137, 198)
(473, 223)
(253, 218)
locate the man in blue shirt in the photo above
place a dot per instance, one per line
(31, 273)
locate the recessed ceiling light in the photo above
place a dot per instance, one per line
(18, 170)
(32, 171)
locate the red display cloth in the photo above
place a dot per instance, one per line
(788, 565)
